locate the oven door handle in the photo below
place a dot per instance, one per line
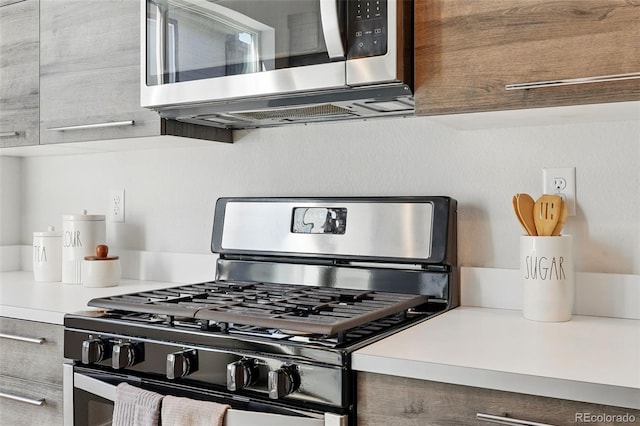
(94, 386)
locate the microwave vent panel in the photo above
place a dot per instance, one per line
(297, 114)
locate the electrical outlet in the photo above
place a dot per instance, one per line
(116, 205)
(561, 181)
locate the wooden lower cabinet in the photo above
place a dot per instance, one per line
(18, 413)
(388, 400)
(31, 358)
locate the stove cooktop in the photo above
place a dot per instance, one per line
(289, 309)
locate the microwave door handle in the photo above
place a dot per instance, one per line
(161, 31)
(331, 28)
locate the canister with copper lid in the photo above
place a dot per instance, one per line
(101, 270)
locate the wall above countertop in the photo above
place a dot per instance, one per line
(171, 192)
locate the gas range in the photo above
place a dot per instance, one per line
(300, 284)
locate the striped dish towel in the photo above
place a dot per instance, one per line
(190, 412)
(136, 407)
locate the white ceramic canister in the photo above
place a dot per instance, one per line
(548, 281)
(101, 270)
(81, 233)
(47, 255)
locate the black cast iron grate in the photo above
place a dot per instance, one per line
(314, 310)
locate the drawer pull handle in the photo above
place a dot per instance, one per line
(93, 126)
(569, 81)
(9, 134)
(37, 340)
(39, 402)
(8, 3)
(503, 420)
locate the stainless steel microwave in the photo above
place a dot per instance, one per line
(253, 63)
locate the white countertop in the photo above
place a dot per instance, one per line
(590, 359)
(23, 298)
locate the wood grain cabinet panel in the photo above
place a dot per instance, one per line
(31, 370)
(18, 413)
(467, 51)
(388, 400)
(29, 360)
(90, 71)
(19, 87)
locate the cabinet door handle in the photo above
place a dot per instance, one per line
(9, 3)
(9, 134)
(38, 340)
(93, 126)
(503, 420)
(39, 401)
(569, 81)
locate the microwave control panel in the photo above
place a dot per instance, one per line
(367, 28)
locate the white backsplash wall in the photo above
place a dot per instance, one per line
(170, 193)
(10, 199)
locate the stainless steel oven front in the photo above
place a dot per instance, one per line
(89, 397)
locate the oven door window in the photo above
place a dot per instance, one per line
(91, 409)
(198, 39)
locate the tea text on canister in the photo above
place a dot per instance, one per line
(40, 254)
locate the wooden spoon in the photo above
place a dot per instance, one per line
(546, 213)
(515, 209)
(564, 212)
(525, 204)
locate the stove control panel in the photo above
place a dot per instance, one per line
(283, 381)
(181, 364)
(240, 373)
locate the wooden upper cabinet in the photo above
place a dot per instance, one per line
(90, 71)
(467, 51)
(19, 73)
(90, 75)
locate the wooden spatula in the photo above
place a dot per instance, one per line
(562, 219)
(546, 213)
(515, 209)
(524, 209)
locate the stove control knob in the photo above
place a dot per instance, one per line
(181, 364)
(241, 374)
(125, 355)
(283, 381)
(95, 350)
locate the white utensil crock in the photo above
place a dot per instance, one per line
(47, 255)
(548, 283)
(80, 236)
